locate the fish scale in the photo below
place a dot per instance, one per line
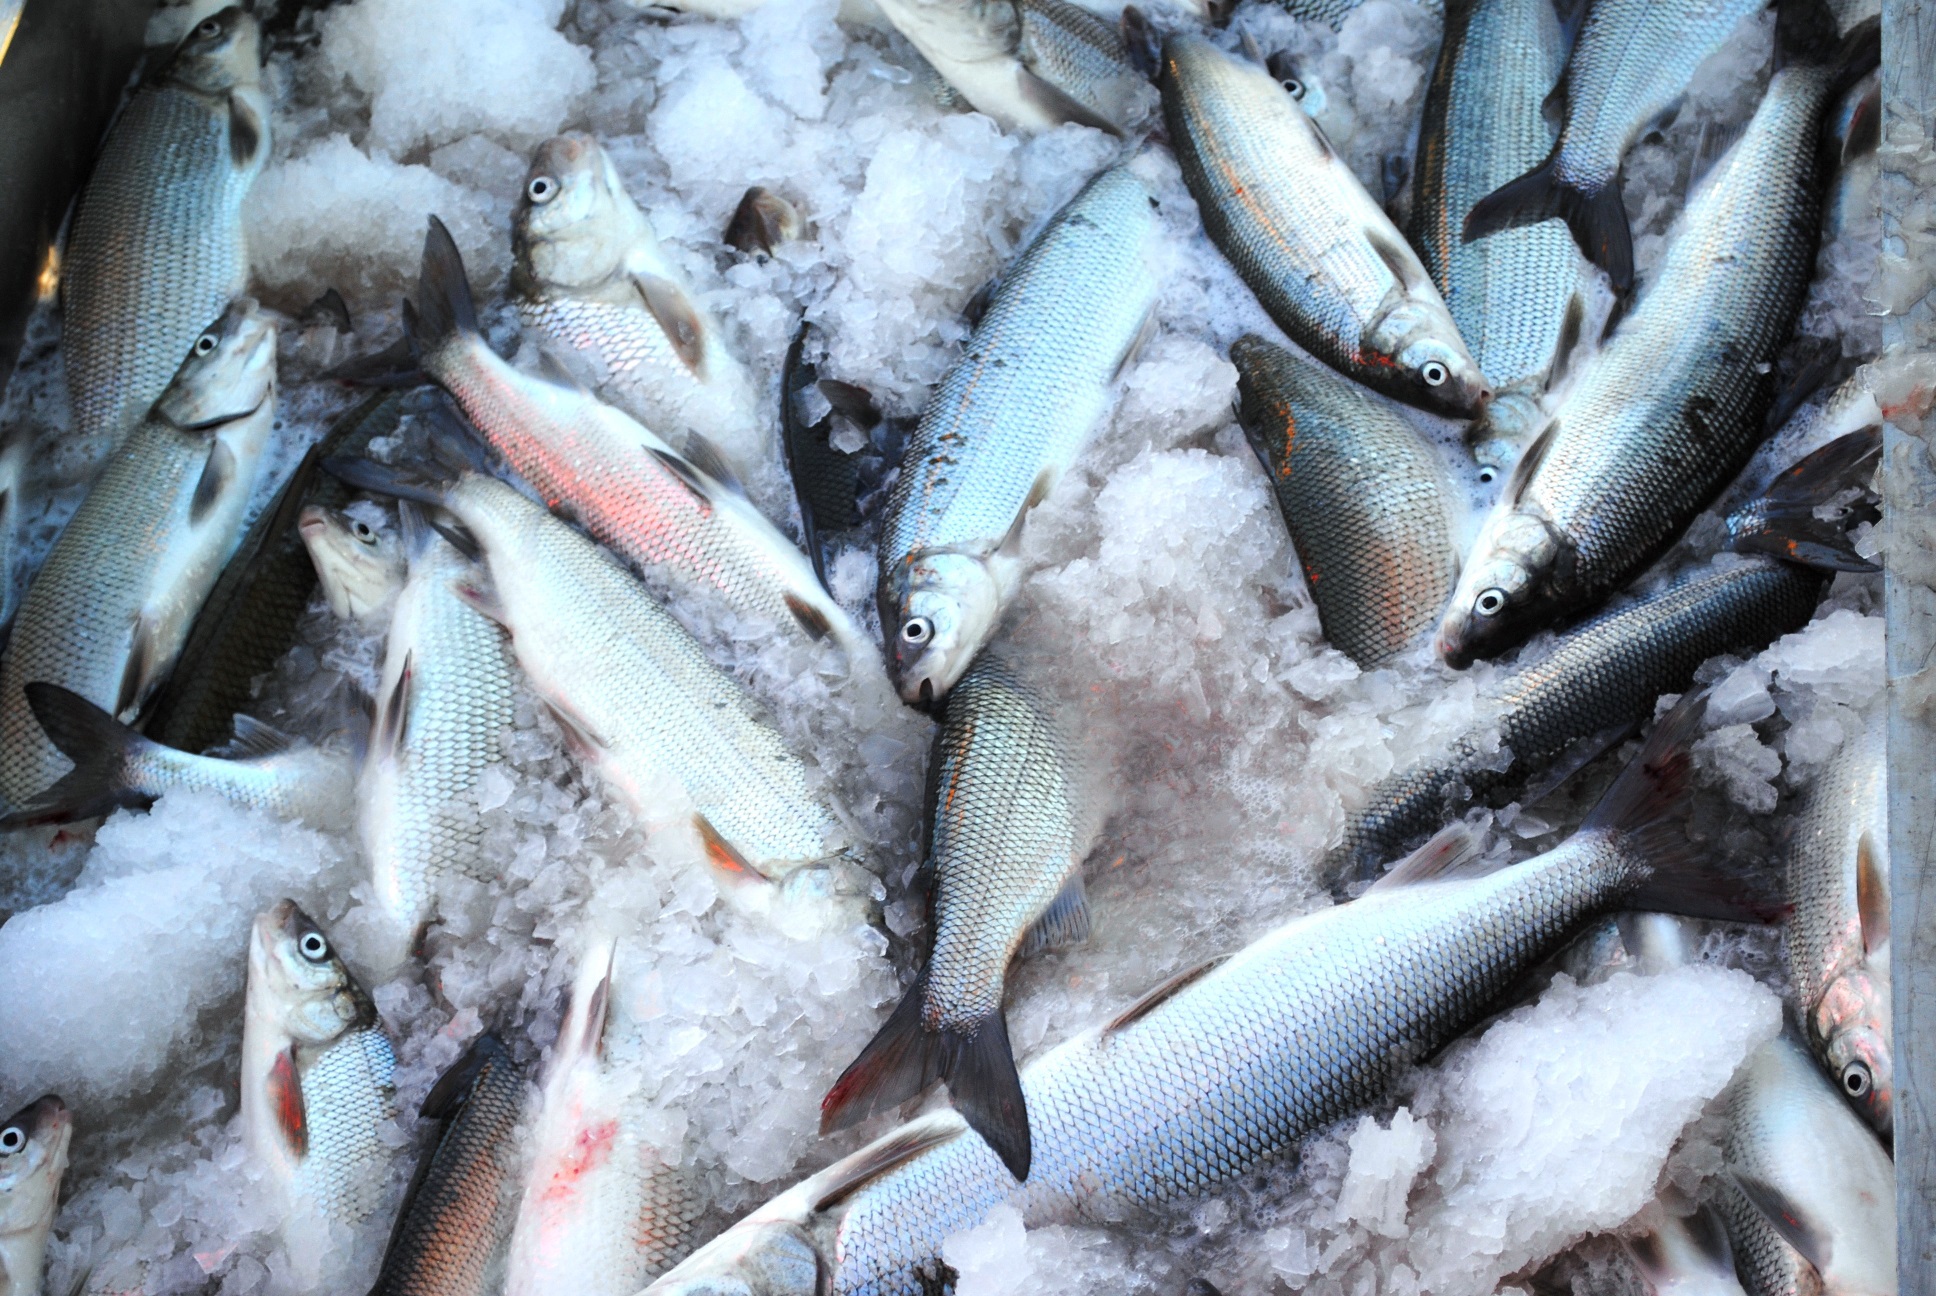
(348, 1097)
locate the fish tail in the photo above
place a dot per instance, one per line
(906, 1057)
(98, 744)
(1598, 218)
(398, 481)
(1782, 522)
(443, 309)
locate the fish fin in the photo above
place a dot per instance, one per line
(393, 716)
(246, 134)
(1011, 543)
(1858, 54)
(99, 746)
(725, 856)
(1565, 348)
(143, 671)
(702, 454)
(1145, 332)
(413, 529)
(583, 1034)
(678, 318)
(1578, 754)
(1786, 1218)
(395, 366)
(330, 308)
(1871, 896)
(811, 618)
(1804, 31)
(1154, 999)
(851, 1173)
(1400, 261)
(453, 1087)
(687, 474)
(1704, 1229)
(1141, 40)
(1863, 135)
(1053, 101)
(394, 480)
(443, 309)
(902, 1060)
(1712, 146)
(459, 537)
(218, 471)
(1526, 467)
(286, 1100)
(483, 601)
(977, 304)
(762, 221)
(1252, 50)
(253, 740)
(1451, 852)
(1598, 220)
(581, 737)
(1065, 922)
(553, 369)
(1782, 522)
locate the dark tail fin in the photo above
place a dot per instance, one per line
(97, 743)
(1598, 220)
(443, 308)
(826, 479)
(412, 481)
(1783, 522)
(905, 1058)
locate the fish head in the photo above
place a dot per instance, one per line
(1431, 367)
(940, 609)
(1497, 604)
(575, 223)
(229, 372)
(33, 1156)
(359, 567)
(766, 1254)
(221, 52)
(1507, 425)
(1853, 1022)
(298, 984)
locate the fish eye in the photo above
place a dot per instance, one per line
(1294, 87)
(208, 27)
(542, 189)
(1434, 373)
(206, 343)
(12, 1139)
(313, 947)
(1856, 1080)
(361, 530)
(1490, 602)
(917, 630)
(1487, 474)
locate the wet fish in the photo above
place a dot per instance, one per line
(33, 1157)
(1673, 405)
(156, 249)
(1225, 1065)
(360, 569)
(443, 702)
(1838, 932)
(1323, 258)
(248, 622)
(456, 1219)
(1808, 1194)
(589, 278)
(657, 509)
(1519, 298)
(1367, 499)
(316, 1074)
(1030, 64)
(838, 450)
(675, 738)
(601, 1213)
(1012, 815)
(1605, 675)
(1006, 422)
(1630, 66)
(109, 611)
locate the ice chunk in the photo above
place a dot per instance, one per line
(1384, 1164)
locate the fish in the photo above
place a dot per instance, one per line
(680, 524)
(1633, 61)
(16, 454)
(763, 221)
(444, 700)
(1808, 1193)
(1674, 404)
(589, 278)
(1370, 506)
(259, 767)
(1013, 812)
(840, 453)
(674, 738)
(33, 1157)
(317, 1074)
(1603, 677)
(1229, 1063)
(157, 247)
(1520, 299)
(359, 568)
(1032, 65)
(1837, 937)
(1008, 419)
(455, 1221)
(248, 621)
(111, 607)
(601, 1214)
(1323, 259)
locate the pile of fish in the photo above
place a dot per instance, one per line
(1497, 437)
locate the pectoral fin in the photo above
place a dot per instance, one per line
(678, 317)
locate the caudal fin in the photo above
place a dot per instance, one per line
(1783, 522)
(443, 308)
(906, 1057)
(97, 743)
(1598, 218)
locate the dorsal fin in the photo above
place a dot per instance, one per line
(1154, 999)
(1450, 854)
(687, 474)
(553, 369)
(841, 1179)
(702, 454)
(387, 738)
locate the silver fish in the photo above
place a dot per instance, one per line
(1369, 505)
(443, 703)
(1030, 64)
(316, 1074)
(588, 277)
(1012, 815)
(109, 610)
(601, 1213)
(1632, 63)
(1673, 405)
(1220, 1067)
(1519, 298)
(33, 1157)
(360, 569)
(1808, 1194)
(1006, 422)
(1323, 258)
(1838, 933)
(157, 249)
(1685, 1255)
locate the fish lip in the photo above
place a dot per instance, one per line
(221, 420)
(1454, 651)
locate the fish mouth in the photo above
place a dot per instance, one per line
(312, 522)
(1453, 650)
